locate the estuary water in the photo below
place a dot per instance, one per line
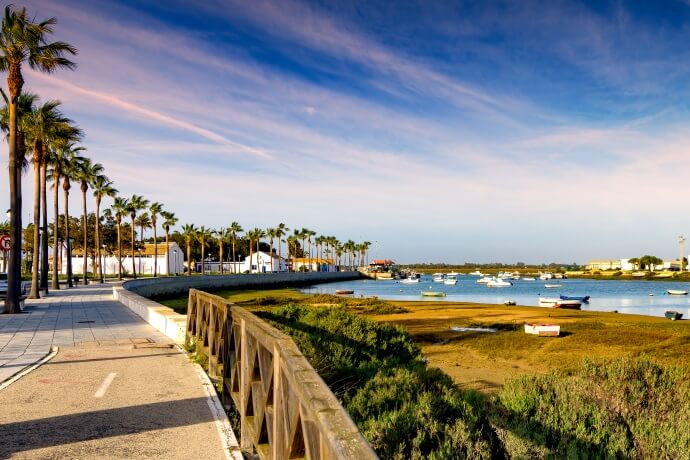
(634, 297)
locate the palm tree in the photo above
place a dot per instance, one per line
(222, 235)
(281, 231)
(143, 222)
(23, 40)
(169, 221)
(85, 173)
(235, 229)
(136, 204)
(119, 208)
(203, 235)
(292, 242)
(155, 209)
(365, 247)
(271, 233)
(189, 233)
(252, 235)
(102, 186)
(68, 175)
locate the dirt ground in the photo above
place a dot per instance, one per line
(484, 361)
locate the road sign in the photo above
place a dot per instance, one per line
(5, 242)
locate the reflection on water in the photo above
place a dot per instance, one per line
(634, 297)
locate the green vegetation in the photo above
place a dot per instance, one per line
(403, 408)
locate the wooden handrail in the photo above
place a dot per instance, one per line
(286, 409)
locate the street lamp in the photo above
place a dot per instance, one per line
(681, 243)
(175, 255)
(103, 266)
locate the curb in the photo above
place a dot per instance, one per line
(7, 382)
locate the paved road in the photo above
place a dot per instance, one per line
(116, 388)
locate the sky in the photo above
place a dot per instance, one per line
(439, 131)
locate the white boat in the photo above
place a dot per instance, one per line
(545, 276)
(476, 273)
(553, 286)
(676, 292)
(485, 279)
(453, 274)
(498, 283)
(450, 280)
(409, 280)
(515, 276)
(529, 278)
(438, 277)
(543, 330)
(559, 303)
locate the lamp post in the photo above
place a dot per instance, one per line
(69, 262)
(681, 243)
(175, 257)
(102, 266)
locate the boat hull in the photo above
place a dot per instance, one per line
(543, 330)
(673, 315)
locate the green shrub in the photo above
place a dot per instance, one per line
(627, 408)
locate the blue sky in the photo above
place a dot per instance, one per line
(440, 131)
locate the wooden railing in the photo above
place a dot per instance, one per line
(286, 410)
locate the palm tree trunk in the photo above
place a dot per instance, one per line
(279, 257)
(189, 258)
(234, 264)
(220, 243)
(35, 263)
(155, 250)
(12, 303)
(44, 237)
(69, 245)
(84, 229)
(134, 268)
(251, 253)
(56, 210)
(98, 239)
(119, 249)
(167, 253)
(270, 254)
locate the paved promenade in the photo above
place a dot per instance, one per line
(117, 388)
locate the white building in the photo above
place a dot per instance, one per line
(262, 262)
(143, 261)
(313, 264)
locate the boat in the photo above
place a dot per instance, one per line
(485, 279)
(543, 330)
(583, 299)
(676, 292)
(433, 294)
(559, 303)
(553, 286)
(509, 303)
(498, 283)
(545, 276)
(476, 273)
(453, 274)
(673, 315)
(438, 277)
(344, 291)
(529, 278)
(409, 280)
(450, 280)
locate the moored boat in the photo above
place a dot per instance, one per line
(485, 279)
(676, 292)
(498, 283)
(529, 278)
(553, 286)
(433, 294)
(409, 280)
(438, 277)
(673, 315)
(583, 299)
(344, 291)
(450, 280)
(543, 330)
(476, 273)
(559, 303)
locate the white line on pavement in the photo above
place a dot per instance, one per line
(104, 386)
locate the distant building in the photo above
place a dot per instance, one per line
(313, 264)
(603, 265)
(380, 265)
(143, 260)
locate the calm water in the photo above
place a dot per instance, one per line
(624, 296)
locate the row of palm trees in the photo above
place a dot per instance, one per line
(319, 247)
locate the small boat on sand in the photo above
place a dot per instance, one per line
(543, 330)
(673, 315)
(559, 303)
(676, 292)
(344, 291)
(509, 303)
(583, 299)
(433, 294)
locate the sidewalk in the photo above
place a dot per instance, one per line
(68, 317)
(117, 388)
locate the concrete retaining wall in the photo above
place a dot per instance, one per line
(133, 294)
(155, 287)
